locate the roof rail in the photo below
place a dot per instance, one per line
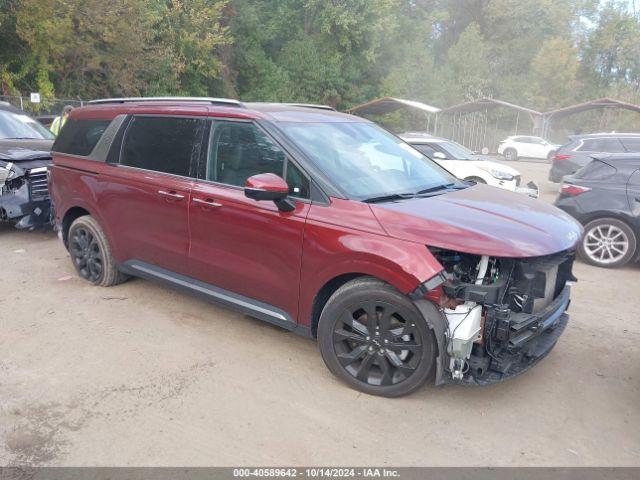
(311, 105)
(215, 101)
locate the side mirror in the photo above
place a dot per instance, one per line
(269, 186)
(439, 155)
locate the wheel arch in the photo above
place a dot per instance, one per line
(475, 178)
(325, 292)
(68, 218)
(402, 268)
(616, 215)
(76, 210)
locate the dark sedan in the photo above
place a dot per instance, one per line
(605, 197)
(24, 157)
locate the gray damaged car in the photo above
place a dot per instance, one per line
(24, 157)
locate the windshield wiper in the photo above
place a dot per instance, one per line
(389, 198)
(437, 188)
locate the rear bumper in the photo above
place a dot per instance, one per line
(529, 339)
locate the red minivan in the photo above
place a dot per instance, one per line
(321, 223)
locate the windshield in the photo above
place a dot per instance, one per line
(457, 151)
(366, 161)
(16, 125)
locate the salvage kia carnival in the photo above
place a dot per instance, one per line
(321, 223)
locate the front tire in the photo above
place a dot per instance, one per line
(608, 243)
(90, 253)
(511, 155)
(374, 339)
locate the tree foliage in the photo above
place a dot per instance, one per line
(541, 53)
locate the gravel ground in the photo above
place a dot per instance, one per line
(142, 375)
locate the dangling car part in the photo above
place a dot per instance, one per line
(507, 312)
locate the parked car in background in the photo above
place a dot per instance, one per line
(24, 157)
(467, 165)
(525, 146)
(321, 223)
(46, 120)
(604, 196)
(581, 148)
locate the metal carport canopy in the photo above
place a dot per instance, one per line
(390, 104)
(485, 104)
(593, 104)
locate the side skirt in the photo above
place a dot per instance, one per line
(211, 293)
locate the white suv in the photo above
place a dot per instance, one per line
(521, 146)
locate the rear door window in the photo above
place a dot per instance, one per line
(163, 144)
(79, 137)
(604, 145)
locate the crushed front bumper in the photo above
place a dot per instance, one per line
(525, 340)
(24, 197)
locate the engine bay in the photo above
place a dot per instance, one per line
(500, 312)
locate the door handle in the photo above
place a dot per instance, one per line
(174, 195)
(207, 203)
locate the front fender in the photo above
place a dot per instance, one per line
(402, 264)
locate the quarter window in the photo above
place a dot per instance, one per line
(79, 137)
(631, 144)
(162, 144)
(297, 181)
(596, 170)
(605, 145)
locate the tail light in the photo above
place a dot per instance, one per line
(561, 156)
(573, 190)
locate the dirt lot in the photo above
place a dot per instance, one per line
(142, 375)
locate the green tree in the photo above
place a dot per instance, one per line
(612, 51)
(553, 74)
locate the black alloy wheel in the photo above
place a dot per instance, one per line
(91, 254)
(376, 344)
(373, 337)
(86, 254)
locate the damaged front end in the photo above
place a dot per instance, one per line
(502, 315)
(24, 194)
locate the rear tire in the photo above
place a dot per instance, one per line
(91, 254)
(608, 243)
(374, 339)
(511, 155)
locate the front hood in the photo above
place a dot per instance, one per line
(18, 150)
(481, 220)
